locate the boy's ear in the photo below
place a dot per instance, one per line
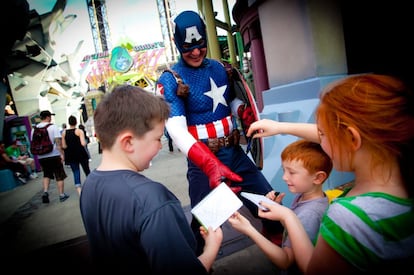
(125, 141)
(320, 177)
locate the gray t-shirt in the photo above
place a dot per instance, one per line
(310, 213)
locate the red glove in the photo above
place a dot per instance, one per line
(246, 116)
(216, 171)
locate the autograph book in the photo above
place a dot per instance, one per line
(256, 199)
(217, 207)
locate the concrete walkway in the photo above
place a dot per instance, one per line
(38, 234)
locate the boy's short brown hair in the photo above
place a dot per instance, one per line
(128, 108)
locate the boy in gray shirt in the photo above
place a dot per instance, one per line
(306, 167)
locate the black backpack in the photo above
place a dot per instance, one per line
(41, 143)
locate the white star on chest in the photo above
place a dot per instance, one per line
(217, 94)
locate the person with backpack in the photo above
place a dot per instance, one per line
(50, 161)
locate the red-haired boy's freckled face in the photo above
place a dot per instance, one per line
(296, 176)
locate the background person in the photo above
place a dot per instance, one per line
(305, 168)
(14, 152)
(74, 143)
(19, 170)
(52, 163)
(64, 126)
(87, 139)
(133, 223)
(170, 141)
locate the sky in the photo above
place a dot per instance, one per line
(135, 19)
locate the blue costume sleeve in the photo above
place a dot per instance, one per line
(167, 86)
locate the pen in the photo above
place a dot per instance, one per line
(249, 145)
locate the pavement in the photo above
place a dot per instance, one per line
(39, 236)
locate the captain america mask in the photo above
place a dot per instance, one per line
(189, 32)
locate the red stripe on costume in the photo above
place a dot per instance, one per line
(226, 126)
(219, 128)
(211, 130)
(193, 131)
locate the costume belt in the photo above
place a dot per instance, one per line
(215, 144)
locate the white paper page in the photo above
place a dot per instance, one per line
(256, 199)
(217, 207)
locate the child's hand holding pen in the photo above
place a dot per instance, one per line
(275, 196)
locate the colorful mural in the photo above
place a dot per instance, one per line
(136, 66)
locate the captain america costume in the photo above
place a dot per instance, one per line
(207, 100)
(208, 112)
